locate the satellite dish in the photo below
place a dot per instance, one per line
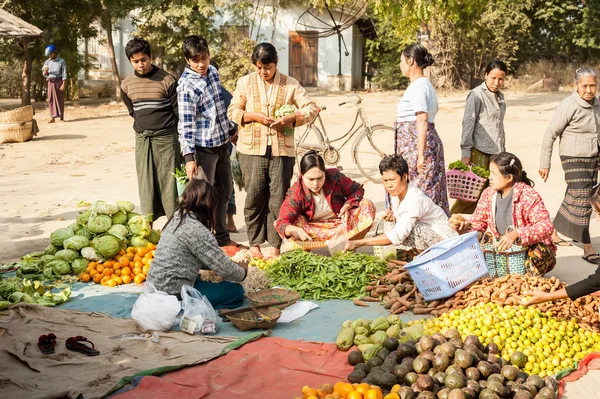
(331, 21)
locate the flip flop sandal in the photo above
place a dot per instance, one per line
(75, 344)
(592, 261)
(46, 343)
(562, 243)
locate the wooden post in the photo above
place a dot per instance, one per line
(26, 75)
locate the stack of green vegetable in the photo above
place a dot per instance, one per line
(479, 171)
(282, 111)
(342, 276)
(371, 335)
(15, 290)
(99, 233)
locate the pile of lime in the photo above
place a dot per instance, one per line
(541, 344)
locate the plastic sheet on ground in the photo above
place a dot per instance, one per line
(273, 367)
(583, 382)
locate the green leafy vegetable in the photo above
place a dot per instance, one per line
(479, 171)
(343, 276)
(59, 236)
(83, 217)
(154, 236)
(90, 254)
(79, 265)
(125, 206)
(99, 224)
(67, 255)
(282, 111)
(50, 249)
(107, 245)
(105, 208)
(76, 243)
(137, 241)
(58, 267)
(119, 218)
(119, 231)
(139, 226)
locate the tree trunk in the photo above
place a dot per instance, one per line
(26, 76)
(111, 49)
(275, 9)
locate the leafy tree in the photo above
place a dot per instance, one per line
(63, 23)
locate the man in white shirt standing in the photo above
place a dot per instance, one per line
(55, 71)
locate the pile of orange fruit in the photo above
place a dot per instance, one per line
(129, 266)
(345, 390)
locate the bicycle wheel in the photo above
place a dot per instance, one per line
(312, 140)
(370, 147)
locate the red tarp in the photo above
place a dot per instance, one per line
(590, 362)
(272, 367)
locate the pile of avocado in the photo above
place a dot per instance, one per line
(446, 367)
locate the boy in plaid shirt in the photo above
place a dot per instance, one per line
(204, 127)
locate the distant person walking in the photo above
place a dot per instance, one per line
(55, 71)
(483, 125)
(150, 95)
(416, 138)
(577, 122)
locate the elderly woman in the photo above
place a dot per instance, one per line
(418, 222)
(483, 125)
(266, 143)
(320, 205)
(577, 122)
(416, 138)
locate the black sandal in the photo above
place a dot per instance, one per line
(46, 343)
(594, 261)
(75, 344)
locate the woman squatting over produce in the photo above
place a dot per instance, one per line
(187, 245)
(514, 213)
(418, 222)
(320, 204)
(590, 285)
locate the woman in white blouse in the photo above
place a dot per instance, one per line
(416, 138)
(418, 222)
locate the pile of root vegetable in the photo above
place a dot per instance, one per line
(399, 294)
(509, 290)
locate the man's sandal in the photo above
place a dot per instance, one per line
(46, 343)
(76, 344)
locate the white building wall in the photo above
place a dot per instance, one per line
(328, 49)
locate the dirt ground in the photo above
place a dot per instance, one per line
(91, 156)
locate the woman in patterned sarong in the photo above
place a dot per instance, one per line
(416, 138)
(577, 122)
(321, 205)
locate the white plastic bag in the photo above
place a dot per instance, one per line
(385, 252)
(155, 310)
(199, 317)
(338, 242)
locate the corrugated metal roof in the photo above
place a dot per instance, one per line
(11, 26)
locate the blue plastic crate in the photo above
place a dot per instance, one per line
(448, 266)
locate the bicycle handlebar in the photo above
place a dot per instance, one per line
(355, 102)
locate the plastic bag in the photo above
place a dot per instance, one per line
(338, 242)
(155, 310)
(198, 314)
(385, 252)
(236, 169)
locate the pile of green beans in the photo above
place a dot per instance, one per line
(342, 276)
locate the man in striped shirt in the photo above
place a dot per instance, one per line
(204, 128)
(151, 98)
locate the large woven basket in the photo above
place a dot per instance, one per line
(464, 185)
(16, 132)
(249, 321)
(273, 295)
(17, 115)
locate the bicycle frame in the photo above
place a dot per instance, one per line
(354, 129)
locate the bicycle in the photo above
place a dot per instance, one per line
(372, 143)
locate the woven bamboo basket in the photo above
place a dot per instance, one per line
(273, 295)
(249, 321)
(16, 132)
(17, 115)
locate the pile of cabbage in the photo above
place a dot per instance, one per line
(98, 234)
(15, 290)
